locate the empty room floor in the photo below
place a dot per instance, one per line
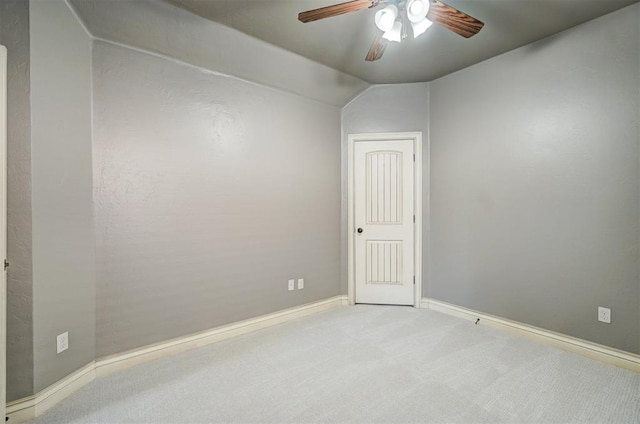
(376, 364)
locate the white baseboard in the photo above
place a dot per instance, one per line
(591, 350)
(108, 365)
(28, 408)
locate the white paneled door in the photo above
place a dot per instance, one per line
(383, 173)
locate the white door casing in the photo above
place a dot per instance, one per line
(384, 196)
(3, 230)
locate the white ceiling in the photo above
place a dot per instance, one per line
(342, 42)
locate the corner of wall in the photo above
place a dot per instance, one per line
(14, 34)
(381, 108)
(81, 21)
(62, 191)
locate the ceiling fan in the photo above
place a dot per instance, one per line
(399, 15)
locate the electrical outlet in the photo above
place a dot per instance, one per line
(62, 342)
(291, 284)
(300, 283)
(604, 314)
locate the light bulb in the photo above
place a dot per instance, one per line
(386, 17)
(416, 7)
(417, 10)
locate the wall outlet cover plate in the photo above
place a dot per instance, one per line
(604, 315)
(62, 342)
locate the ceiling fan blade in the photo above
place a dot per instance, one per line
(336, 9)
(453, 19)
(377, 49)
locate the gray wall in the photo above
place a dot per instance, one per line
(535, 183)
(385, 108)
(265, 159)
(14, 34)
(210, 192)
(63, 245)
(534, 179)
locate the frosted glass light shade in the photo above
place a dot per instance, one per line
(386, 17)
(420, 27)
(395, 33)
(417, 10)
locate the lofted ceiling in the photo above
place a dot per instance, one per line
(342, 42)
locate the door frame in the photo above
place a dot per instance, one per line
(3, 230)
(416, 136)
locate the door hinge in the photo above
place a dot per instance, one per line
(414, 280)
(414, 157)
(6, 264)
(414, 219)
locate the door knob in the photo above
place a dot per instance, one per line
(359, 230)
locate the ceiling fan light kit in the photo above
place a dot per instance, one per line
(387, 20)
(394, 19)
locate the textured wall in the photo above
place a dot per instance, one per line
(14, 34)
(535, 189)
(160, 27)
(63, 244)
(210, 193)
(386, 108)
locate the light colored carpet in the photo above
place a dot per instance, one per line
(381, 364)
